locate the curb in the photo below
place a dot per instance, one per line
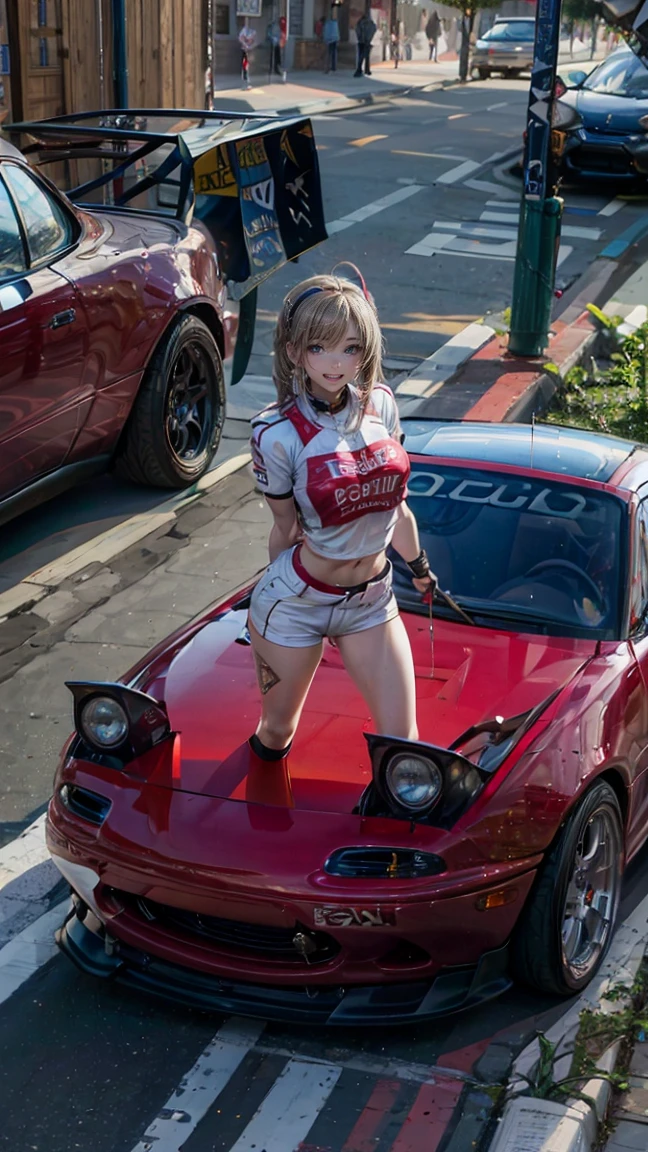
(44, 581)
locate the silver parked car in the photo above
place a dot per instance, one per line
(507, 47)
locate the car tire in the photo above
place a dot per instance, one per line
(483, 73)
(553, 951)
(175, 426)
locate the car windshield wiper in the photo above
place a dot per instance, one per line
(448, 599)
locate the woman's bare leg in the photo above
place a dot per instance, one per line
(379, 661)
(284, 675)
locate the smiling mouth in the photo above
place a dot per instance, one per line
(334, 379)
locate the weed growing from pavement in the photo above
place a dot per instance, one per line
(610, 399)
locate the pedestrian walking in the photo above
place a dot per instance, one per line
(331, 37)
(247, 39)
(432, 30)
(365, 31)
(335, 423)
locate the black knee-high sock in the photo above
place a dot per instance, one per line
(265, 753)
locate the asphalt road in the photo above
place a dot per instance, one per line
(434, 235)
(85, 1066)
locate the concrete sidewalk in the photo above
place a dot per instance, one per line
(313, 91)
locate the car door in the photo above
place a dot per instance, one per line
(636, 719)
(43, 331)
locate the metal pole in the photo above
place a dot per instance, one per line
(120, 61)
(540, 210)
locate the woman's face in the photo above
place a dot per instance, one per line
(330, 367)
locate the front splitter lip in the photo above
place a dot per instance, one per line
(453, 990)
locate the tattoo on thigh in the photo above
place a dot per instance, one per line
(266, 677)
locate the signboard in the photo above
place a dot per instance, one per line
(248, 7)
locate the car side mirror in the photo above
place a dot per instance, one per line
(576, 78)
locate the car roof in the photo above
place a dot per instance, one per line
(7, 150)
(548, 448)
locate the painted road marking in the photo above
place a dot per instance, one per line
(372, 209)
(360, 143)
(612, 208)
(456, 174)
(458, 115)
(428, 1118)
(29, 950)
(432, 155)
(501, 104)
(502, 192)
(289, 1110)
(203, 1083)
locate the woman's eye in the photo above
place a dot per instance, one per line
(314, 349)
(352, 350)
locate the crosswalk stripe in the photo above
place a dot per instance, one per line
(363, 1136)
(29, 950)
(372, 209)
(198, 1090)
(289, 1110)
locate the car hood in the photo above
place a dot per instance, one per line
(213, 702)
(604, 113)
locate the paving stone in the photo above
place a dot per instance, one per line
(17, 629)
(92, 589)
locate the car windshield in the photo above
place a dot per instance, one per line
(624, 75)
(512, 31)
(519, 552)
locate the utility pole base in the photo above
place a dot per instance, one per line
(535, 266)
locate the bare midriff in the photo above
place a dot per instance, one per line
(344, 573)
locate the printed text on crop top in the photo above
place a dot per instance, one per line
(346, 478)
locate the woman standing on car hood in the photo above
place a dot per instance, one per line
(329, 459)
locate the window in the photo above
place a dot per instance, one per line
(222, 20)
(12, 254)
(622, 75)
(640, 593)
(48, 230)
(545, 553)
(511, 32)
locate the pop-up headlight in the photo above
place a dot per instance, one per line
(117, 721)
(416, 781)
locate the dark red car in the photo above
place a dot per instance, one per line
(407, 879)
(114, 299)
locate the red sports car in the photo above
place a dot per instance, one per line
(114, 312)
(405, 879)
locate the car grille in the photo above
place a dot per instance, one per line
(296, 945)
(612, 161)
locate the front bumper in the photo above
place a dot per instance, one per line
(589, 155)
(87, 943)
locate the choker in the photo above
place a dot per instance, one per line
(324, 406)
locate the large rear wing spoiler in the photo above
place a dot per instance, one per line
(252, 180)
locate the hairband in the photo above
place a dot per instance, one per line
(300, 299)
(315, 288)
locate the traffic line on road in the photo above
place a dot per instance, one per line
(456, 174)
(198, 1090)
(430, 155)
(29, 950)
(373, 208)
(360, 143)
(290, 1108)
(500, 104)
(612, 208)
(458, 115)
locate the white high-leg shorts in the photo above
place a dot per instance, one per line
(296, 612)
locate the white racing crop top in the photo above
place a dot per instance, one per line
(347, 472)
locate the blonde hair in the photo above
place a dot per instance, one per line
(323, 317)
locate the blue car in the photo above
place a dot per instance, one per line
(607, 136)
